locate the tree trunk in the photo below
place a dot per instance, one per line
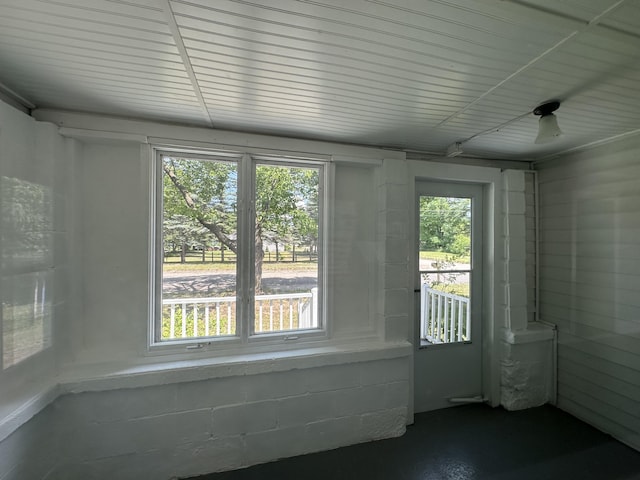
(293, 253)
(277, 253)
(259, 257)
(183, 253)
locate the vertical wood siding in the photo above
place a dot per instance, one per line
(590, 282)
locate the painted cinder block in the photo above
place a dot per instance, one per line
(518, 317)
(124, 437)
(214, 455)
(515, 226)
(396, 328)
(396, 394)
(394, 171)
(268, 446)
(356, 401)
(210, 393)
(395, 198)
(384, 424)
(385, 371)
(515, 248)
(396, 250)
(514, 180)
(516, 270)
(304, 409)
(394, 275)
(395, 301)
(514, 203)
(277, 384)
(392, 223)
(115, 405)
(333, 433)
(332, 378)
(516, 294)
(244, 418)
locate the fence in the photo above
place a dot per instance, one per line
(446, 317)
(218, 256)
(216, 316)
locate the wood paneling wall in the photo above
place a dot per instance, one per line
(590, 282)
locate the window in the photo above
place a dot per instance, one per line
(449, 260)
(239, 248)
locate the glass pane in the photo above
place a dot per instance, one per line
(199, 246)
(286, 248)
(445, 267)
(445, 233)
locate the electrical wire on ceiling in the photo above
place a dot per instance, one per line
(548, 129)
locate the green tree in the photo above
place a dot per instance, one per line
(445, 224)
(180, 231)
(205, 192)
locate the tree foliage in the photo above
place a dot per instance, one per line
(445, 224)
(202, 194)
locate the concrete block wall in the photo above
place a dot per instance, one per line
(526, 360)
(515, 250)
(526, 373)
(393, 233)
(530, 239)
(192, 428)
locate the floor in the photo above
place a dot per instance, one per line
(464, 443)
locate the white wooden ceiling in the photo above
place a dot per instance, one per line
(410, 74)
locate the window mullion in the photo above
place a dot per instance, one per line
(246, 212)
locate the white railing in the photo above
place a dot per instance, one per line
(446, 317)
(216, 316)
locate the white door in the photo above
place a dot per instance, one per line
(448, 339)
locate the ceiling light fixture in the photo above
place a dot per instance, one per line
(548, 129)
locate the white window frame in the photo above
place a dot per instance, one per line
(245, 266)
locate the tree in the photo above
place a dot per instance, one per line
(445, 224)
(206, 193)
(181, 231)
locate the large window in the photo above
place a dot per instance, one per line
(240, 248)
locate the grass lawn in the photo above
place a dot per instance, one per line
(433, 255)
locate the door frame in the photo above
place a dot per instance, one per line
(490, 178)
(467, 354)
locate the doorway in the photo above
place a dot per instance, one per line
(448, 286)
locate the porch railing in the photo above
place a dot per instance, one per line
(216, 316)
(446, 318)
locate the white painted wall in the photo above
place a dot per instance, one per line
(589, 282)
(527, 347)
(198, 427)
(35, 291)
(197, 413)
(206, 411)
(530, 181)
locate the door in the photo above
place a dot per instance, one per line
(448, 339)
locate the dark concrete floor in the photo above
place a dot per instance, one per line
(464, 443)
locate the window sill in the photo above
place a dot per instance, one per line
(111, 376)
(19, 409)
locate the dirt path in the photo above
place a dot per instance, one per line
(199, 283)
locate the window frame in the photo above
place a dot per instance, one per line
(244, 337)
